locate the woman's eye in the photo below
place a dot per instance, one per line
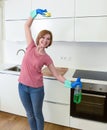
(48, 38)
(43, 37)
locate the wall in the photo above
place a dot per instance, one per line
(80, 55)
(68, 54)
(1, 31)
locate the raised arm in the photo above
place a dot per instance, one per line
(28, 33)
(28, 23)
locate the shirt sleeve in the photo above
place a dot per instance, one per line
(48, 60)
(31, 45)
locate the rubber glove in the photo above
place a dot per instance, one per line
(67, 83)
(77, 82)
(42, 12)
(33, 14)
(70, 84)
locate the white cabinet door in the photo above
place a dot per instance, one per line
(62, 29)
(17, 9)
(14, 30)
(56, 113)
(56, 92)
(91, 7)
(58, 8)
(10, 101)
(91, 29)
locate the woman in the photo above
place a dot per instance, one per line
(31, 88)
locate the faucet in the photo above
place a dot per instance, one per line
(19, 51)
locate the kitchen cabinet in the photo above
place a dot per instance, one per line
(58, 8)
(16, 14)
(19, 9)
(15, 30)
(90, 8)
(59, 27)
(56, 92)
(62, 29)
(10, 101)
(91, 29)
(56, 107)
(56, 113)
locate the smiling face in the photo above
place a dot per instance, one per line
(44, 38)
(44, 41)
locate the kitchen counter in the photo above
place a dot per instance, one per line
(68, 75)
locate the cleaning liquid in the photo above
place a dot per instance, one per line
(77, 94)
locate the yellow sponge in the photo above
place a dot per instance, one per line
(47, 14)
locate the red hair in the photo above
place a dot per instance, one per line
(42, 33)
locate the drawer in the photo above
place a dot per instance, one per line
(56, 92)
(56, 113)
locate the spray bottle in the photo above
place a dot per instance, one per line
(77, 91)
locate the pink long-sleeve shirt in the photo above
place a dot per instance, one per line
(32, 64)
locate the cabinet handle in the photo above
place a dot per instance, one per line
(94, 95)
(56, 102)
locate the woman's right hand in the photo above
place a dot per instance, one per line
(42, 12)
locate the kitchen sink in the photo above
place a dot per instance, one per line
(14, 68)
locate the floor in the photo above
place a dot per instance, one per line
(13, 122)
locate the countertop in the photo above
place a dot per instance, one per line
(68, 75)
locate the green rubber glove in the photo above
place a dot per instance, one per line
(33, 14)
(67, 83)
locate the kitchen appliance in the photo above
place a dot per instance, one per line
(87, 74)
(94, 97)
